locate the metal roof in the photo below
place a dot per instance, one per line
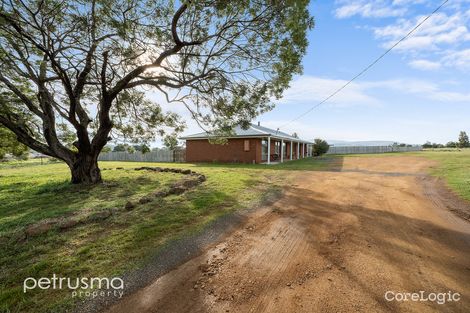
(252, 131)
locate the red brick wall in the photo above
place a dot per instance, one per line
(232, 152)
(294, 150)
(259, 148)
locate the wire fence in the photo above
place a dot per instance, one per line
(371, 149)
(156, 155)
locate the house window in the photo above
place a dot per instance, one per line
(277, 147)
(246, 145)
(264, 150)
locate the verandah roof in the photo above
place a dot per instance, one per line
(254, 131)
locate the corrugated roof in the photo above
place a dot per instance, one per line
(252, 131)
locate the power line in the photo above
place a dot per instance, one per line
(368, 67)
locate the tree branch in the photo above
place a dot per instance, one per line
(23, 136)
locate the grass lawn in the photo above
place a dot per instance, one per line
(31, 192)
(454, 167)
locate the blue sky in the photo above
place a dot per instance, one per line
(418, 92)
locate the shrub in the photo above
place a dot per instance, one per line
(463, 140)
(320, 147)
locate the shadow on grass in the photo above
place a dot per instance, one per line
(186, 224)
(154, 237)
(56, 198)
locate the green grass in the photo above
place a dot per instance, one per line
(454, 167)
(307, 164)
(31, 192)
(29, 162)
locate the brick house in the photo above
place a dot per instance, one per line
(248, 146)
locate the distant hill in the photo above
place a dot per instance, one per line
(342, 143)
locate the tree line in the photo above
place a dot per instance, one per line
(462, 142)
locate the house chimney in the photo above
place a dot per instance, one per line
(259, 124)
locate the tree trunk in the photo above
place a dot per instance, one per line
(85, 170)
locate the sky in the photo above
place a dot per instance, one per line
(418, 92)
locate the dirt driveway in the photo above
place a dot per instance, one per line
(336, 242)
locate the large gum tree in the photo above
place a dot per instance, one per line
(74, 74)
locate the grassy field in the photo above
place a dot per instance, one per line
(454, 167)
(33, 191)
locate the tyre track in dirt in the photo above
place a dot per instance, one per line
(288, 252)
(336, 242)
(419, 267)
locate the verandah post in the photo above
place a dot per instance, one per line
(269, 150)
(282, 150)
(291, 147)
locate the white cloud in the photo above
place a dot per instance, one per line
(425, 65)
(422, 89)
(458, 59)
(440, 30)
(307, 90)
(364, 8)
(308, 131)
(445, 36)
(407, 2)
(314, 89)
(311, 90)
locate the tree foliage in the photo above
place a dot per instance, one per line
(170, 142)
(79, 70)
(320, 147)
(463, 140)
(106, 149)
(142, 148)
(124, 147)
(10, 145)
(434, 145)
(120, 147)
(452, 144)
